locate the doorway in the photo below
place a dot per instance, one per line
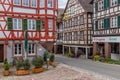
(1, 52)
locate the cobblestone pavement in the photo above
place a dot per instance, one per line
(61, 72)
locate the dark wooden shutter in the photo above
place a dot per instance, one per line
(10, 24)
(105, 26)
(106, 4)
(119, 2)
(96, 25)
(118, 21)
(38, 25)
(24, 22)
(107, 23)
(96, 6)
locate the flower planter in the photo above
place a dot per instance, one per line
(22, 72)
(38, 70)
(6, 72)
(52, 64)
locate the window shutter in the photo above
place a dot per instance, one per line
(105, 24)
(106, 4)
(96, 6)
(118, 21)
(10, 24)
(96, 25)
(119, 2)
(108, 23)
(24, 22)
(38, 25)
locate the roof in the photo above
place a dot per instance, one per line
(60, 11)
(87, 5)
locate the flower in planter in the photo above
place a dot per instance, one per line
(52, 57)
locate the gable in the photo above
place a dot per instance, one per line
(73, 7)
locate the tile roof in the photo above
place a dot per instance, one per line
(87, 5)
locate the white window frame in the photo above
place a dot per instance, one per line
(100, 5)
(114, 22)
(114, 3)
(50, 24)
(42, 3)
(42, 24)
(31, 24)
(101, 24)
(33, 3)
(17, 49)
(50, 5)
(17, 25)
(31, 49)
(16, 2)
(25, 2)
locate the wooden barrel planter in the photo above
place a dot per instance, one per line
(52, 64)
(38, 70)
(6, 72)
(22, 72)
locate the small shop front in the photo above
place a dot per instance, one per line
(107, 46)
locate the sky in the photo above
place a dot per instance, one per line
(62, 3)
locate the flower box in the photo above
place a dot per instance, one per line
(38, 70)
(22, 72)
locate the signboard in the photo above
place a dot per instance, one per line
(106, 39)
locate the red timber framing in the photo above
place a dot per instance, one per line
(7, 7)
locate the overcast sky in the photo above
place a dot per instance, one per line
(62, 3)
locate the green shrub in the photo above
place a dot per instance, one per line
(111, 61)
(52, 57)
(96, 57)
(26, 64)
(6, 65)
(19, 64)
(37, 62)
(69, 54)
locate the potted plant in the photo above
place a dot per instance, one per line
(6, 68)
(38, 64)
(22, 67)
(52, 60)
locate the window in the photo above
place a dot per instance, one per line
(114, 2)
(42, 3)
(25, 2)
(114, 48)
(17, 24)
(81, 19)
(76, 21)
(50, 23)
(42, 24)
(17, 2)
(31, 49)
(101, 24)
(33, 3)
(50, 3)
(114, 22)
(31, 25)
(18, 50)
(82, 36)
(75, 36)
(101, 5)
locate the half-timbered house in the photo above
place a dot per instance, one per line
(106, 38)
(77, 27)
(37, 17)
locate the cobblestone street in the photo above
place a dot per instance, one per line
(61, 72)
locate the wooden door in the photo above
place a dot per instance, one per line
(1, 53)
